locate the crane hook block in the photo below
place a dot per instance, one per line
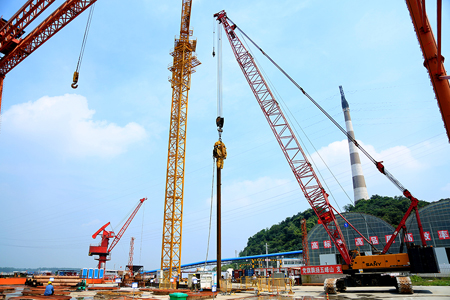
(74, 85)
(220, 153)
(219, 122)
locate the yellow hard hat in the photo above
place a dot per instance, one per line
(49, 282)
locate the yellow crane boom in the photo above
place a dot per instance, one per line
(184, 63)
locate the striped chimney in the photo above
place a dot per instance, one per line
(359, 183)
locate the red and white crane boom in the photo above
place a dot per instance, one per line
(299, 163)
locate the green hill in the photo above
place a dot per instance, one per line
(287, 236)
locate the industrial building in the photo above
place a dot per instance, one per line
(435, 220)
(322, 250)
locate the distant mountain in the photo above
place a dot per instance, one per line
(286, 235)
(33, 270)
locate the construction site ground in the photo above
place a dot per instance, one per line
(299, 292)
(311, 292)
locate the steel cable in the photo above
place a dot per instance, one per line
(382, 170)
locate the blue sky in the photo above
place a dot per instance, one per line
(73, 160)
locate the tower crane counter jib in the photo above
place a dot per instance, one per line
(102, 250)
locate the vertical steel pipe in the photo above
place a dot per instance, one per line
(219, 227)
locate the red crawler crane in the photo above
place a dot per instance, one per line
(360, 269)
(16, 48)
(102, 249)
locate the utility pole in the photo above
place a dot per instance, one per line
(267, 252)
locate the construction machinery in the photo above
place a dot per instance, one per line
(102, 250)
(15, 47)
(358, 268)
(184, 63)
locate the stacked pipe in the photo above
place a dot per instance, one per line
(58, 280)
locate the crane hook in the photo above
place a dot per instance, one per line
(74, 85)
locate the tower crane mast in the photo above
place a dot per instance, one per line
(15, 48)
(184, 63)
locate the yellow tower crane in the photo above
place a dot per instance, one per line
(184, 62)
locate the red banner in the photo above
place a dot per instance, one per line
(329, 269)
(374, 240)
(443, 234)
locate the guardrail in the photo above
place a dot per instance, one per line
(262, 284)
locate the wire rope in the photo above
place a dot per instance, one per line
(83, 46)
(86, 33)
(301, 140)
(142, 231)
(210, 212)
(379, 165)
(307, 137)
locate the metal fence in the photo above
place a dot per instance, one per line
(225, 286)
(166, 284)
(270, 285)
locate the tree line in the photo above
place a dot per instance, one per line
(287, 236)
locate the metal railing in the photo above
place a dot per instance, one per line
(166, 284)
(262, 284)
(225, 286)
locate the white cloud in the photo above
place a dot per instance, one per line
(337, 153)
(65, 124)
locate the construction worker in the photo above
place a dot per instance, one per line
(49, 290)
(292, 279)
(194, 283)
(254, 279)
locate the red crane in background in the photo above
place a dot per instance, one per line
(16, 48)
(130, 259)
(434, 61)
(102, 249)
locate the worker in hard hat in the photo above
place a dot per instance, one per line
(49, 290)
(194, 283)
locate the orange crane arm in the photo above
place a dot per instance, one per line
(434, 62)
(67, 12)
(13, 29)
